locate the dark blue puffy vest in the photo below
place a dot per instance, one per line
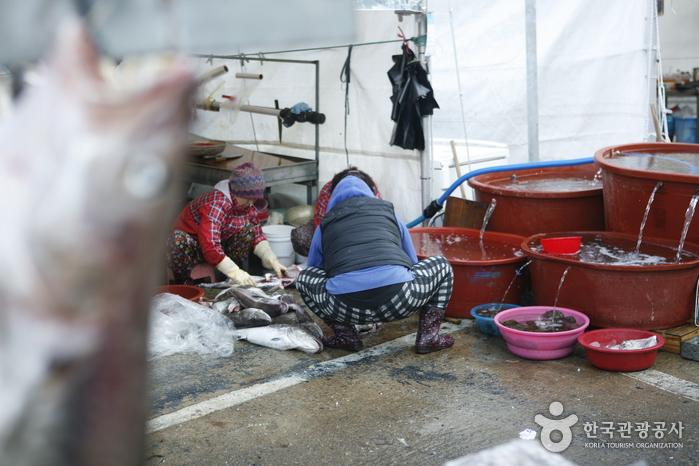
(359, 233)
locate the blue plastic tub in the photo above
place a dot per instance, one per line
(487, 324)
(686, 130)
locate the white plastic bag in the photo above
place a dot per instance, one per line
(182, 326)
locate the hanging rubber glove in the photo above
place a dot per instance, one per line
(269, 260)
(235, 273)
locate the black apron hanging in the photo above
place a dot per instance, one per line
(412, 100)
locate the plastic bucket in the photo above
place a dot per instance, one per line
(487, 324)
(618, 360)
(279, 237)
(481, 274)
(542, 200)
(535, 345)
(686, 130)
(628, 186)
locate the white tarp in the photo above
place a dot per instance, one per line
(594, 87)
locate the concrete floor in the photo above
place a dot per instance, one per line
(402, 408)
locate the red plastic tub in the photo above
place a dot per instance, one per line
(612, 295)
(543, 200)
(481, 275)
(193, 293)
(562, 244)
(630, 173)
(619, 360)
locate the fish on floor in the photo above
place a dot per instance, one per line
(250, 317)
(89, 169)
(304, 337)
(253, 297)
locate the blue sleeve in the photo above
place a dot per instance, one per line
(407, 242)
(315, 253)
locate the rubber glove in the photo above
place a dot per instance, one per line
(269, 260)
(235, 273)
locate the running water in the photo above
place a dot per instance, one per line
(518, 273)
(598, 176)
(645, 216)
(689, 214)
(486, 218)
(560, 285)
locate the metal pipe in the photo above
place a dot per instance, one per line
(532, 82)
(249, 75)
(426, 154)
(212, 74)
(253, 58)
(260, 110)
(317, 135)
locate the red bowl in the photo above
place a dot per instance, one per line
(562, 244)
(193, 293)
(619, 360)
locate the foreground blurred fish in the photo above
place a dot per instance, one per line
(304, 337)
(88, 177)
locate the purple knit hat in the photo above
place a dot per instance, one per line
(247, 182)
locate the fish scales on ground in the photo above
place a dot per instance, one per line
(90, 202)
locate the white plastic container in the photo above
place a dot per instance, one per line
(279, 237)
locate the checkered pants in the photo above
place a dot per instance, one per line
(431, 286)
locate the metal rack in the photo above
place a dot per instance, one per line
(300, 171)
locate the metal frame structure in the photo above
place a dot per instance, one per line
(204, 174)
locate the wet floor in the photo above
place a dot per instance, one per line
(396, 407)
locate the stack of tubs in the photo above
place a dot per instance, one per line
(612, 284)
(604, 202)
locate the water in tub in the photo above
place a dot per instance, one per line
(596, 250)
(681, 163)
(463, 248)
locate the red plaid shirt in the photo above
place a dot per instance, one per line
(213, 218)
(322, 202)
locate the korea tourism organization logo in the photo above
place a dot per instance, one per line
(557, 432)
(549, 426)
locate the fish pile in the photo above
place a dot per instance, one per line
(273, 321)
(549, 321)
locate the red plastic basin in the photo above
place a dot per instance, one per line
(542, 200)
(193, 293)
(481, 274)
(562, 244)
(641, 296)
(629, 175)
(619, 360)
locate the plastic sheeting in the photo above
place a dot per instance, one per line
(594, 66)
(182, 326)
(595, 83)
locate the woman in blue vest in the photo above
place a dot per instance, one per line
(363, 269)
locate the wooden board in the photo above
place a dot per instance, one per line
(676, 335)
(464, 213)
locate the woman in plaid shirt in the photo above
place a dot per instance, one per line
(221, 229)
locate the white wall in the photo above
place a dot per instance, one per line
(679, 35)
